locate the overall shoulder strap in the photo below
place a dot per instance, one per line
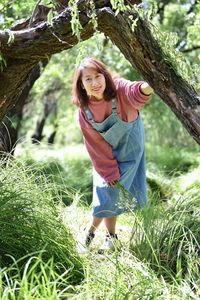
(114, 106)
(88, 114)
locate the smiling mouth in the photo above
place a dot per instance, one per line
(96, 90)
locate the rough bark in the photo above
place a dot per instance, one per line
(139, 47)
(11, 123)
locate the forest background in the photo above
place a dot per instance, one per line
(46, 187)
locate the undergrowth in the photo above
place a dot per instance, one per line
(160, 244)
(30, 221)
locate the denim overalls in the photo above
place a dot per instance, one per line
(127, 141)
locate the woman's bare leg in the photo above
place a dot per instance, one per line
(110, 224)
(95, 224)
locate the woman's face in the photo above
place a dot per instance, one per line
(93, 82)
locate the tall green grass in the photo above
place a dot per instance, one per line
(160, 254)
(167, 237)
(31, 222)
(114, 276)
(65, 175)
(36, 279)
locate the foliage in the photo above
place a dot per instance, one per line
(75, 24)
(116, 276)
(159, 255)
(10, 37)
(171, 160)
(38, 279)
(171, 33)
(118, 5)
(66, 178)
(12, 11)
(189, 184)
(62, 169)
(30, 221)
(168, 239)
(163, 127)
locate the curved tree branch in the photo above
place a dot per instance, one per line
(145, 54)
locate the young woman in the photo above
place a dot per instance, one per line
(114, 137)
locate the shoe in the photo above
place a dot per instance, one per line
(111, 243)
(89, 238)
(84, 241)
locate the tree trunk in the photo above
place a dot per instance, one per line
(38, 134)
(139, 47)
(52, 136)
(49, 107)
(11, 124)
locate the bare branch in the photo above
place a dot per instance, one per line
(194, 48)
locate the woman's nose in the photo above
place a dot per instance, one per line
(94, 82)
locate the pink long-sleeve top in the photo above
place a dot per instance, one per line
(129, 101)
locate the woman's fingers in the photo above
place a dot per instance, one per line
(112, 183)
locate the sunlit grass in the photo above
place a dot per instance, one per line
(43, 151)
(139, 269)
(168, 238)
(36, 280)
(159, 255)
(62, 168)
(189, 181)
(30, 220)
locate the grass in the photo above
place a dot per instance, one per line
(136, 271)
(62, 169)
(30, 221)
(159, 257)
(173, 250)
(171, 160)
(36, 280)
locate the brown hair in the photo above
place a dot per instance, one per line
(80, 97)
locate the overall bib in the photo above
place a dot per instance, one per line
(127, 141)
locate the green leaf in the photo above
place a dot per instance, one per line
(11, 37)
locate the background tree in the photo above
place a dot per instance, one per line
(49, 107)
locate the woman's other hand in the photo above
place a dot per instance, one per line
(112, 183)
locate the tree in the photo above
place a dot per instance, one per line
(11, 123)
(50, 106)
(21, 50)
